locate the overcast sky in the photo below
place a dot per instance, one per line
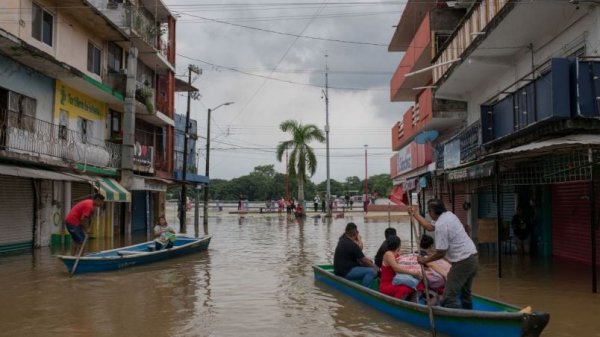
(235, 61)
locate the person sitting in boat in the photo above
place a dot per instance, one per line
(396, 280)
(164, 235)
(349, 261)
(436, 271)
(390, 231)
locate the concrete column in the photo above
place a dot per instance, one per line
(129, 131)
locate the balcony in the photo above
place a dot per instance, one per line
(493, 42)
(568, 90)
(146, 108)
(89, 13)
(437, 23)
(150, 26)
(427, 114)
(143, 158)
(412, 15)
(27, 138)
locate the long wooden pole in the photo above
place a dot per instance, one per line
(429, 308)
(79, 255)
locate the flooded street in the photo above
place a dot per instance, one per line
(256, 280)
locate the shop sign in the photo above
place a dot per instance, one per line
(404, 160)
(482, 170)
(143, 155)
(452, 154)
(77, 104)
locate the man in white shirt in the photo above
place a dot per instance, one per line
(453, 243)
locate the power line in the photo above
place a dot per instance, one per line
(297, 36)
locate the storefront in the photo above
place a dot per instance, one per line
(148, 202)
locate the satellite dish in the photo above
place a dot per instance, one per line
(426, 137)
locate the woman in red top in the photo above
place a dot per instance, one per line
(389, 268)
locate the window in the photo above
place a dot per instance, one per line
(115, 125)
(85, 128)
(94, 58)
(115, 54)
(42, 26)
(21, 111)
(63, 124)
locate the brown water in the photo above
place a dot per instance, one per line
(256, 280)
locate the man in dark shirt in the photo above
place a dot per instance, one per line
(390, 231)
(349, 261)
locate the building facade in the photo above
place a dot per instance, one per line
(63, 103)
(530, 136)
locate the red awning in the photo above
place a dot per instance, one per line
(398, 196)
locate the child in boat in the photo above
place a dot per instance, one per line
(164, 235)
(436, 271)
(390, 268)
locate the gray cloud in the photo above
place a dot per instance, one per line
(245, 134)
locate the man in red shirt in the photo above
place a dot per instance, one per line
(77, 221)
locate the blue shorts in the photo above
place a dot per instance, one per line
(76, 232)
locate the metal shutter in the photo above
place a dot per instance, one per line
(16, 213)
(571, 237)
(80, 191)
(487, 204)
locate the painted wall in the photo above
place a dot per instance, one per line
(25, 81)
(49, 215)
(78, 105)
(70, 39)
(586, 30)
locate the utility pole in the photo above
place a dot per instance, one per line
(366, 182)
(183, 204)
(328, 193)
(286, 176)
(129, 129)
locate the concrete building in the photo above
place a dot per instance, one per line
(531, 133)
(63, 90)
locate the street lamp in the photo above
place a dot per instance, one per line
(207, 171)
(365, 205)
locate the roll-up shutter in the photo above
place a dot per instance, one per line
(487, 204)
(571, 237)
(80, 191)
(16, 213)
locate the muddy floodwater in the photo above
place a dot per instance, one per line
(256, 280)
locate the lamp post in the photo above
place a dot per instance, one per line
(207, 170)
(366, 196)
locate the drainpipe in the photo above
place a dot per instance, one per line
(499, 219)
(129, 130)
(593, 222)
(66, 209)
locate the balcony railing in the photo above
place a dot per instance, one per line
(468, 142)
(480, 16)
(24, 134)
(146, 27)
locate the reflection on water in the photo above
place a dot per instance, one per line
(256, 280)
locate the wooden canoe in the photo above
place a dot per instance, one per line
(489, 318)
(134, 255)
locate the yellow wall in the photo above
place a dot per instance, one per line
(77, 104)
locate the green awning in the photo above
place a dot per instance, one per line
(110, 189)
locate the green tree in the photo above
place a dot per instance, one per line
(380, 184)
(302, 157)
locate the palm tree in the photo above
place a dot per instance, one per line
(302, 158)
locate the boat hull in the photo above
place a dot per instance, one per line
(120, 258)
(489, 317)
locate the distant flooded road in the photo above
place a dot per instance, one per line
(256, 280)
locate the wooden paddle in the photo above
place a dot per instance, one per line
(85, 239)
(429, 308)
